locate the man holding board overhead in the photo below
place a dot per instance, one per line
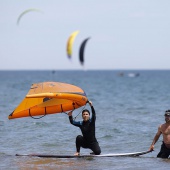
(87, 126)
(163, 129)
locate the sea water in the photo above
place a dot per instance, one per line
(129, 110)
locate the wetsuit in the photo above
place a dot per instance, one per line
(88, 140)
(164, 152)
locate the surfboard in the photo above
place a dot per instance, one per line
(133, 154)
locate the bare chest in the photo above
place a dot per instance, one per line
(165, 130)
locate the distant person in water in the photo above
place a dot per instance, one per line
(163, 129)
(87, 126)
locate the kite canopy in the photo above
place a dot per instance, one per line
(81, 51)
(25, 12)
(70, 43)
(49, 98)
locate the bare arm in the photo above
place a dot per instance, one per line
(158, 134)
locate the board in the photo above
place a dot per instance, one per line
(86, 156)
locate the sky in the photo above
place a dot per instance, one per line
(125, 34)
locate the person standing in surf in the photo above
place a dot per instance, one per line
(87, 126)
(163, 129)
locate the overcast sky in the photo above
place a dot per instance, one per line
(125, 34)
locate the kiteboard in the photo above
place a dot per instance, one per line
(133, 154)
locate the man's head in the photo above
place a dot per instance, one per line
(167, 115)
(85, 115)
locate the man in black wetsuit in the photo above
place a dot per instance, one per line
(87, 126)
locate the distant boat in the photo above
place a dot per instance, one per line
(133, 74)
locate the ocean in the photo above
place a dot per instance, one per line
(129, 110)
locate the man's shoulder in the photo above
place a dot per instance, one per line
(160, 127)
(163, 126)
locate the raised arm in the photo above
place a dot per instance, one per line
(70, 117)
(75, 123)
(93, 118)
(155, 138)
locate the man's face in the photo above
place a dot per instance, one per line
(167, 118)
(86, 116)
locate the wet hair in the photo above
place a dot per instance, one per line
(167, 113)
(85, 110)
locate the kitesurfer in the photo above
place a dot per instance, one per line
(87, 126)
(163, 129)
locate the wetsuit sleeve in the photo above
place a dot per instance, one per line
(93, 118)
(75, 123)
(71, 119)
